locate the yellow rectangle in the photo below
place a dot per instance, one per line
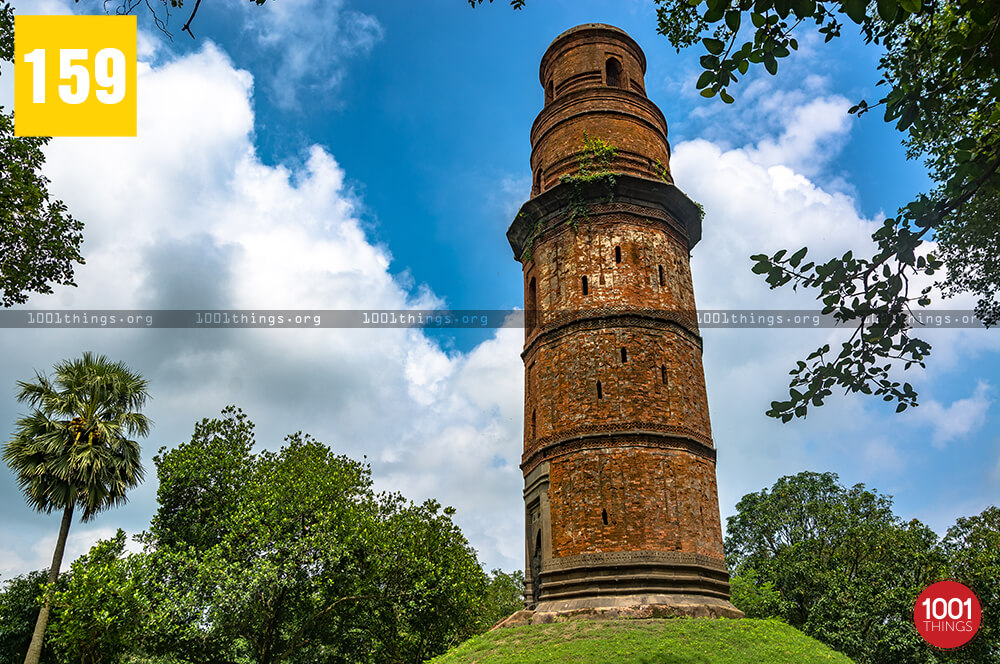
(75, 76)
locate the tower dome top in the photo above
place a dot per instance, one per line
(594, 33)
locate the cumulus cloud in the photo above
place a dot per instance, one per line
(309, 53)
(38, 555)
(958, 420)
(187, 216)
(760, 198)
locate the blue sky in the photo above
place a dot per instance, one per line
(340, 154)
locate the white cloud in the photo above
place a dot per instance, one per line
(309, 40)
(186, 216)
(758, 201)
(38, 555)
(962, 418)
(809, 135)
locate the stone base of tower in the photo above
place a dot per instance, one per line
(623, 607)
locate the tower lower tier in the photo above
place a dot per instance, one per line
(624, 518)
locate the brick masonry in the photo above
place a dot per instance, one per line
(618, 454)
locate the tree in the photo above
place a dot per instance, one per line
(18, 612)
(98, 614)
(835, 563)
(504, 596)
(74, 448)
(162, 20)
(973, 547)
(292, 556)
(942, 89)
(39, 239)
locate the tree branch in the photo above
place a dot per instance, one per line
(187, 26)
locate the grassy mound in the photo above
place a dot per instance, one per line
(667, 641)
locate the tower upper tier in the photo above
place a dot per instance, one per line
(593, 80)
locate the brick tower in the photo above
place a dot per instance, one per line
(620, 493)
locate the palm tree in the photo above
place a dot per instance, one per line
(75, 448)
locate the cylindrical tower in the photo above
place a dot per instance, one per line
(619, 466)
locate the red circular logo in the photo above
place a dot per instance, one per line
(947, 614)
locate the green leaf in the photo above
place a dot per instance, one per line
(714, 46)
(855, 10)
(770, 64)
(911, 6)
(805, 8)
(733, 19)
(887, 10)
(726, 97)
(907, 117)
(706, 79)
(798, 256)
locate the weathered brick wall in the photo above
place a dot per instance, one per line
(628, 121)
(629, 467)
(562, 376)
(653, 500)
(559, 264)
(579, 98)
(576, 59)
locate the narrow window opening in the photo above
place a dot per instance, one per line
(663, 373)
(604, 516)
(618, 254)
(613, 72)
(661, 275)
(600, 394)
(538, 181)
(549, 90)
(532, 424)
(585, 289)
(624, 354)
(531, 306)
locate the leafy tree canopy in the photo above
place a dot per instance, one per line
(291, 556)
(18, 612)
(39, 240)
(99, 611)
(940, 71)
(836, 563)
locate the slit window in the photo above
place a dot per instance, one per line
(613, 72)
(663, 373)
(600, 393)
(586, 291)
(531, 306)
(604, 516)
(532, 424)
(618, 254)
(549, 90)
(661, 275)
(624, 354)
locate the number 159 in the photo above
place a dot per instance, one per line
(109, 74)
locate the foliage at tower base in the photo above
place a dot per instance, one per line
(272, 556)
(291, 556)
(839, 565)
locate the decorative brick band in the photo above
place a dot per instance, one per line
(602, 214)
(626, 434)
(553, 325)
(618, 558)
(548, 210)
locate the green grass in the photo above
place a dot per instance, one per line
(668, 641)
